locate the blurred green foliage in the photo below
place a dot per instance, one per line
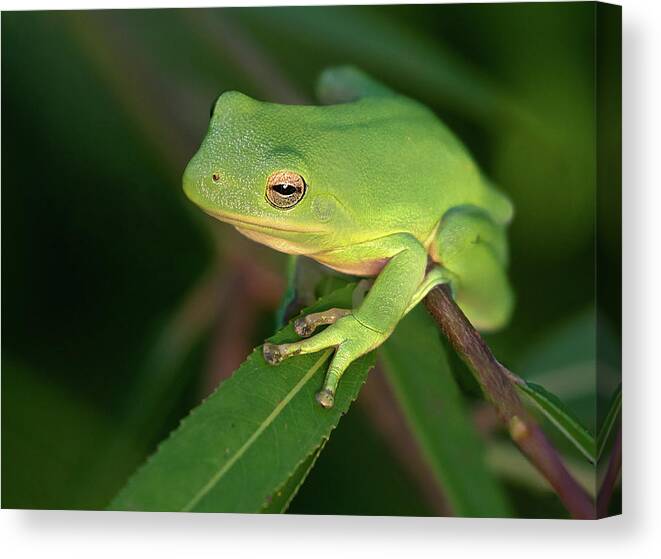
(111, 333)
(421, 377)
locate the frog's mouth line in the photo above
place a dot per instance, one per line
(246, 224)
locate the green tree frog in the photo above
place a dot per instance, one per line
(371, 183)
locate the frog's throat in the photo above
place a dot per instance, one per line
(277, 242)
(243, 223)
(366, 268)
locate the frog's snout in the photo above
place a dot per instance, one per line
(193, 180)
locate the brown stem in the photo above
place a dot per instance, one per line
(499, 388)
(610, 479)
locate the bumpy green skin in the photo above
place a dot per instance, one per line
(389, 188)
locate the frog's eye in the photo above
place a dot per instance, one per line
(284, 189)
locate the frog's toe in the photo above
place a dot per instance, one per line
(326, 398)
(306, 325)
(303, 327)
(272, 353)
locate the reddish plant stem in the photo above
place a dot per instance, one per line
(610, 479)
(499, 388)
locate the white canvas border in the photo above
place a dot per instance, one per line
(55, 534)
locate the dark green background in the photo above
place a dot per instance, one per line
(104, 350)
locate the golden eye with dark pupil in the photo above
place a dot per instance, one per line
(285, 189)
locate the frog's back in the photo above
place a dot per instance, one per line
(400, 166)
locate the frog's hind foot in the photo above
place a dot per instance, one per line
(306, 325)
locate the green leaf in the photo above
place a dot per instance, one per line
(564, 361)
(279, 501)
(289, 297)
(417, 367)
(248, 438)
(558, 414)
(609, 421)
(307, 280)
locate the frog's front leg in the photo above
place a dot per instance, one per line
(306, 325)
(359, 331)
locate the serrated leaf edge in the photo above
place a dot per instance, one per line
(257, 433)
(230, 380)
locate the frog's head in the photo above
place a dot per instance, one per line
(252, 171)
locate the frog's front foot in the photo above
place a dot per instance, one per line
(303, 328)
(325, 397)
(272, 353)
(349, 337)
(306, 325)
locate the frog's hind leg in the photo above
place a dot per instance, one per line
(473, 249)
(343, 84)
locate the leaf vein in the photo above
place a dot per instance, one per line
(262, 427)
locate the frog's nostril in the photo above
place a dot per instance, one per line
(215, 177)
